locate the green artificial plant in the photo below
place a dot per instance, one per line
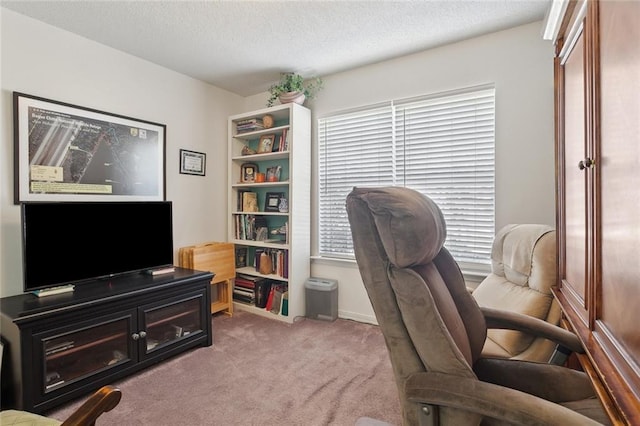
(292, 82)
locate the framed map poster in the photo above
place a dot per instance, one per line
(64, 152)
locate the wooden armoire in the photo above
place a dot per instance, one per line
(597, 85)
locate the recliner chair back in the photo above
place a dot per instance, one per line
(410, 279)
(523, 271)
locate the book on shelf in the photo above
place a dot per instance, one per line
(242, 299)
(256, 257)
(241, 257)
(274, 300)
(250, 201)
(262, 293)
(277, 301)
(248, 225)
(249, 128)
(249, 125)
(249, 120)
(248, 292)
(248, 277)
(269, 303)
(244, 227)
(284, 309)
(278, 145)
(285, 135)
(247, 281)
(240, 197)
(252, 289)
(242, 284)
(287, 141)
(244, 295)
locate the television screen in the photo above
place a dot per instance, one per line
(71, 242)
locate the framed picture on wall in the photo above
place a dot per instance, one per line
(192, 162)
(64, 152)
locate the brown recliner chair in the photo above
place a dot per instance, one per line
(434, 329)
(523, 270)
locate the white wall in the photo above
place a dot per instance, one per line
(42, 60)
(520, 64)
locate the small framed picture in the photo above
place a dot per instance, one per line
(192, 163)
(241, 257)
(248, 172)
(266, 143)
(272, 201)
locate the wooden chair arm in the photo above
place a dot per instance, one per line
(103, 400)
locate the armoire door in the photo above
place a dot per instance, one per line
(617, 281)
(573, 172)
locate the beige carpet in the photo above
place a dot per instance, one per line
(264, 372)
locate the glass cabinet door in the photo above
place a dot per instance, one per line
(167, 323)
(81, 352)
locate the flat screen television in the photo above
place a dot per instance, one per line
(73, 242)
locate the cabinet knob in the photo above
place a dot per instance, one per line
(143, 334)
(135, 336)
(586, 163)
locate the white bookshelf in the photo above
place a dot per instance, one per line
(295, 183)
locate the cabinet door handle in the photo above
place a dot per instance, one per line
(135, 336)
(143, 334)
(586, 163)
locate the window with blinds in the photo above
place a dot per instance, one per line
(440, 145)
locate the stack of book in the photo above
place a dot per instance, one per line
(243, 295)
(249, 125)
(251, 290)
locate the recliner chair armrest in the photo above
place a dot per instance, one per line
(103, 400)
(496, 318)
(489, 400)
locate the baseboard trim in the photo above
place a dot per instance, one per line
(357, 317)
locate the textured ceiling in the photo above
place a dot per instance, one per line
(242, 46)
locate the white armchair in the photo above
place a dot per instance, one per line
(523, 270)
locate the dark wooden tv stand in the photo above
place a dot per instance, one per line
(64, 346)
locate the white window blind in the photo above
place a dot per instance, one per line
(441, 145)
(446, 150)
(352, 148)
